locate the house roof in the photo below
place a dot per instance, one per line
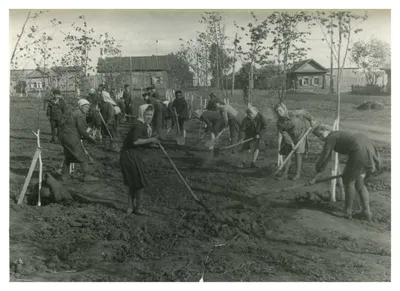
(387, 68)
(145, 63)
(61, 70)
(299, 65)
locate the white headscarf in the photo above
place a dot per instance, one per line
(140, 118)
(107, 98)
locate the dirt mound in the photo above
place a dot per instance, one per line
(371, 105)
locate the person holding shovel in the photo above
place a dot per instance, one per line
(363, 160)
(292, 125)
(127, 97)
(72, 130)
(180, 108)
(108, 124)
(230, 116)
(55, 110)
(253, 126)
(132, 167)
(159, 113)
(215, 124)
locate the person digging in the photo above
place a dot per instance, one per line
(231, 120)
(292, 125)
(72, 130)
(55, 110)
(253, 126)
(132, 167)
(157, 121)
(180, 107)
(363, 160)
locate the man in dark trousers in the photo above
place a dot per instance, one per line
(55, 110)
(153, 92)
(128, 102)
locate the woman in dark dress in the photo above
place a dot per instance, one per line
(363, 160)
(137, 139)
(253, 126)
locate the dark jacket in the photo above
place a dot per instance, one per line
(363, 155)
(182, 108)
(108, 112)
(250, 128)
(54, 110)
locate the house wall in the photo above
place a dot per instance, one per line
(137, 80)
(307, 80)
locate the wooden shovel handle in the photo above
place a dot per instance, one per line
(291, 153)
(236, 144)
(183, 179)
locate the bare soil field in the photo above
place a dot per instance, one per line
(255, 232)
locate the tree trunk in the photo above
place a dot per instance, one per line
(331, 77)
(233, 67)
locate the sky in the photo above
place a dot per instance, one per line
(138, 30)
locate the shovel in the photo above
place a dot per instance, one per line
(305, 185)
(211, 143)
(291, 153)
(183, 179)
(180, 139)
(217, 150)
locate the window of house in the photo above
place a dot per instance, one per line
(305, 81)
(157, 80)
(34, 85)
(316, 81)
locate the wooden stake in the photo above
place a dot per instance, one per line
(40, 176)
(280, 158)
(28, 178)
(335, 162)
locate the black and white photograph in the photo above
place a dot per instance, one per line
(199, 145)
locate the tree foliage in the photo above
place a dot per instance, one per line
(371, 56)
(288, 42)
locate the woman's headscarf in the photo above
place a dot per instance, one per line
(107, 98)
(253, 111)
(283, 106)
(322, 127)
(140, 118)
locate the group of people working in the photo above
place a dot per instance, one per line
(247, 133)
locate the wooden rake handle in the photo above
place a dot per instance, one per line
(236, 144)
(291, 153)
(183, 179)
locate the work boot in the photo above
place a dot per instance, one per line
(138, 207)
(242, 165)
(254, 166)
(282, 177)
(363, 215)
(65, 172)
(86, 176)
(295, 178)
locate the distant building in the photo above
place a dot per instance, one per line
(307, 74)
(36, 80)
(165, 71)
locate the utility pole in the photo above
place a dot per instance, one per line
(233, 67)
